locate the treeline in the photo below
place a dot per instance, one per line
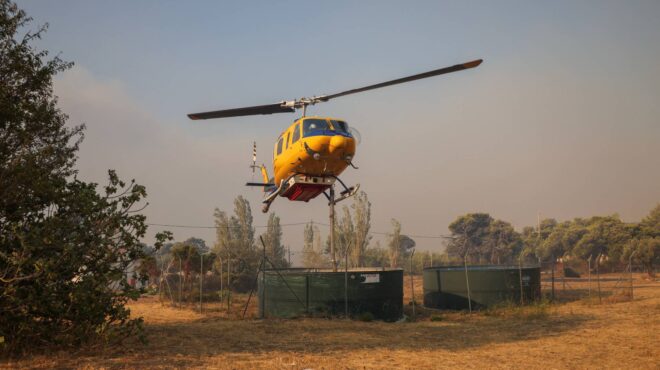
(234, 259)
(478, 238)
(474, 238)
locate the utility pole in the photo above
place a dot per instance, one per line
(289, 249)
(201, 279)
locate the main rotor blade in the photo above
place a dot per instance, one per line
(246, 111)
(441, 71)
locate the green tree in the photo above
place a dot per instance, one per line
(273, 239)
(344, 236)
(645, 247)
(650, 225)
(313, 255)
(65, 249)
(376, 256)
(501, 244)
(604, 235)
(533, 238)
(394, 245)
(362, 221)
(468, 233)
(235, 242)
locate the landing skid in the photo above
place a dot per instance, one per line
(346, 193)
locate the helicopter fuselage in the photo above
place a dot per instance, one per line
(313, 146)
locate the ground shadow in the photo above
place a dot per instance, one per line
(188, 344)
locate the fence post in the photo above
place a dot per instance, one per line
(346, 283)
(600, 299)
(589, 275)
(522, 300)
(631, 274)
(412, 284)
(180, 284)
(467, 283)
(160, 281)
(263, 280)
(228, 286)
(553, 278)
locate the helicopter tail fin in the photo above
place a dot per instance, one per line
(268, 185)
(264, 173)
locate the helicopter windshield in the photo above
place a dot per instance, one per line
(340, 126)
(313, 126)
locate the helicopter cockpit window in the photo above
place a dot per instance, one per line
(312, 125)
(340, 126)
(296, 134)
(279, 146)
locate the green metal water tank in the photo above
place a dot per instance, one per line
(318, 292)
(445, 287)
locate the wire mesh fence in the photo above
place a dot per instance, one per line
(219, 292)
(564, 281)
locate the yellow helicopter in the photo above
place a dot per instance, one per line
(311, 153)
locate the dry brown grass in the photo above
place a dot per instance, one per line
(576, 334)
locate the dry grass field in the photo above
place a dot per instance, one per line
(616, 334)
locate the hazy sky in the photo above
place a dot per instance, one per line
(562, 118)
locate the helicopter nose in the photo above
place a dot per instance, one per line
(337, 143)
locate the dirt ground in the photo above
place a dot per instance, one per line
(576, 333)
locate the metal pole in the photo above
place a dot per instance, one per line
(467, 283)
(160, 281)
(332, 228)
(221, 290)
(180, 284)
(262, 303)
(631, 274)
(522, 299)
(563, 275)
(589, 274)
(600, 300)
(256, 280)
(228, 286)
(201, 279)
(412, 284)
(553, 278)
(346, 283)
